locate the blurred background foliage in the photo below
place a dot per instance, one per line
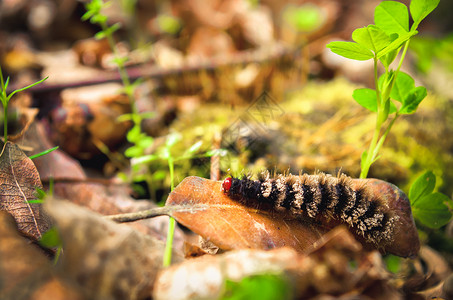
(204, 68)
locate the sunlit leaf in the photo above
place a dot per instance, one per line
(391, 17)
(397, 43)
(350, 50)
(366, 98)
(372, 37)
(420, 9)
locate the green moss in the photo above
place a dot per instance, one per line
(323, 129)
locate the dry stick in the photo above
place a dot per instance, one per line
(140, 215)
(153, 71)
(277, 52)
(155, 212)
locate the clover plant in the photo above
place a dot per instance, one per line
(395, 93)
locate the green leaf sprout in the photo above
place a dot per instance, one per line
(395, 92)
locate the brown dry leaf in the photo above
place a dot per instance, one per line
(89, 114)
(191, 250)
(106, 260)
(231, 225)
(424, 275)
(323, 274)
(18, 181)
(258, 36)
(20, 59)
(447, 289)
(91, 52)
(103, 196)
(405, 237)
(56, 164)
(207, 42)
(217, 13)
(25, 272)
(341, 267)
(26, 118)
(53, 288)
(113, 198)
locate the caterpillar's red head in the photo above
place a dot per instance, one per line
(226, 184)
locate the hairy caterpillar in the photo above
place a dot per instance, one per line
(320, 196)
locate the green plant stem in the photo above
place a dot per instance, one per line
(171, 222)
(4, 99)
(123, 73)
(375, 146)
(51, 186)
(378, 92)
(169, 244)
(5, 122)
(384, 136)
(403, 54)
(377, 129)
(371, 149)
(171, 167)
(57, 255)
(377, 141)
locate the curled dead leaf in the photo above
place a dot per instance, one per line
(26, 116)
(18, 181)
(424, 275)
(231, 225)
(406, 242)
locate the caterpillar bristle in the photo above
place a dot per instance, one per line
(263, 176)
(319, 195)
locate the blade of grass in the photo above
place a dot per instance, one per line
(43, 153)
(27, 87)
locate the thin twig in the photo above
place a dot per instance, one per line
(155, 212)
(152, 71)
